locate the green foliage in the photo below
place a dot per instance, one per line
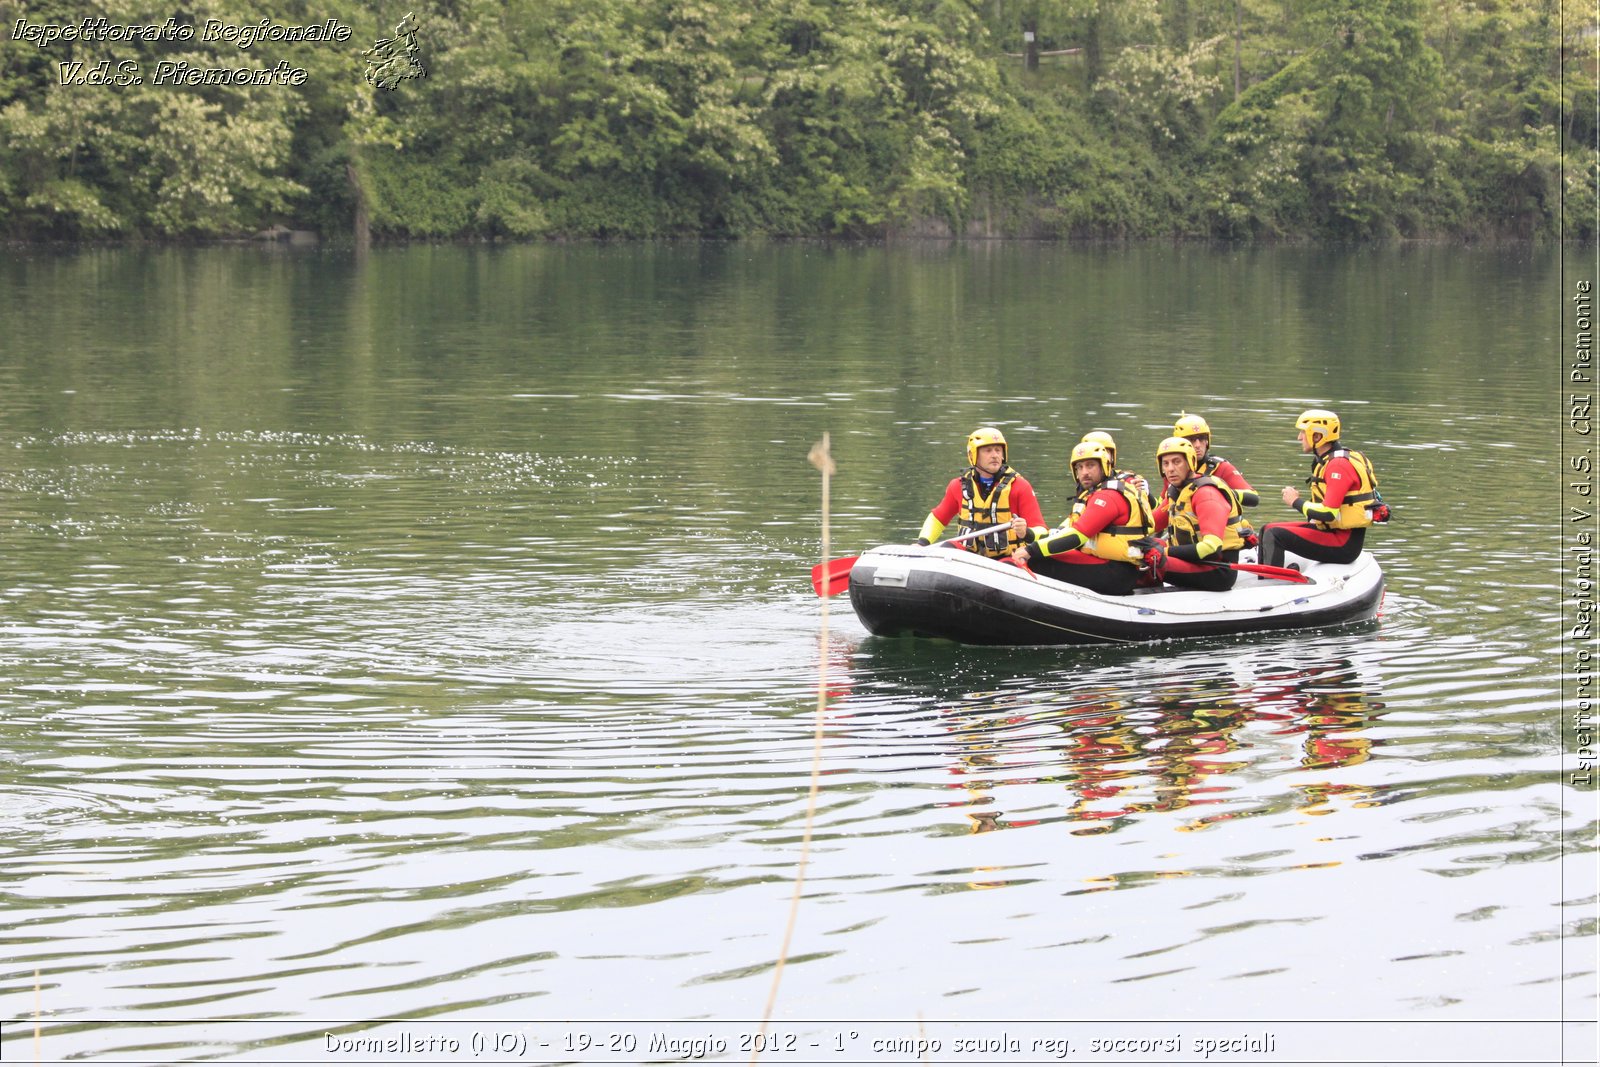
(508, 200)
(96, 145)
(1333, 143)
(408, 195)
(1163, 93)
(1043, 170)
(1348, 119)
(1502, 64)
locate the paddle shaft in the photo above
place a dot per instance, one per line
(1265, 570)
(969, 536)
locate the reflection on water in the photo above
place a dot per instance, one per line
(1206, 736)
(397, 667)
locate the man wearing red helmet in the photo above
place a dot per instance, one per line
(1095, 547)
(1344, 499)
(1201, 516)
(988, 493)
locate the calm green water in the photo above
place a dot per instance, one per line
(429, 637)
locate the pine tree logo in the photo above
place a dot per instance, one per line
(394, 59)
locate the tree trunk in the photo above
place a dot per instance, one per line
(362, 226)
(1238, 35)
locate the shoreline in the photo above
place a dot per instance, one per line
(317, 242)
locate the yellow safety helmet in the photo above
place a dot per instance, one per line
(1319, 420)
(1180, 445)
(1087, 449)
(985, 435)
(1190, 426)
(1105, 439)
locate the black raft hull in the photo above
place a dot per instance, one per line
(944, 592)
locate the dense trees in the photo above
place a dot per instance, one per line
(1237, 118)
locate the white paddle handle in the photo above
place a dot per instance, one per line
(971, 534)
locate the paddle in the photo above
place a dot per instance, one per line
(1266, 570)
(1021, 566)
(1285, 574)
(833, 577)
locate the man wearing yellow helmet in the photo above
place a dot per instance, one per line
(988, 493)
(1344, 499)
(1127, 477)
(1093, 548)
(1201, 517)
(1197, 432)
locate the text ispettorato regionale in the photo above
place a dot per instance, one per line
(244, 35)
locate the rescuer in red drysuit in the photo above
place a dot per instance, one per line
(989, 492)
(1344, 499)
(1096, 547)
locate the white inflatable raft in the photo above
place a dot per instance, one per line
(946, 592)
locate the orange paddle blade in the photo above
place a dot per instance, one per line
(1021, 566)
(833, 577)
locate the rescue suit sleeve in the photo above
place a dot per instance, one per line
(1105, 508)
(1229, 475)
(1025, 502)
(1065, 539)
(933, 526)
(1340, 477)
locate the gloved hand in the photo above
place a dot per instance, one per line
(1155, 559)
(922, 542)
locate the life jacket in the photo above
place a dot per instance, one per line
(979, 510)
(1183, 524)
(1128, 480)
(1355, 510)
(1113, 542)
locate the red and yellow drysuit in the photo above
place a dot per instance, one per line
(976, 502)
(1202, 519)
(1093, 547)
(1343, 494)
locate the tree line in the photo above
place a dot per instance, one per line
(522, 119)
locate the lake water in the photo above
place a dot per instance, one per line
(421, 648)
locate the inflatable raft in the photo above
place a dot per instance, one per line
(945, 592)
